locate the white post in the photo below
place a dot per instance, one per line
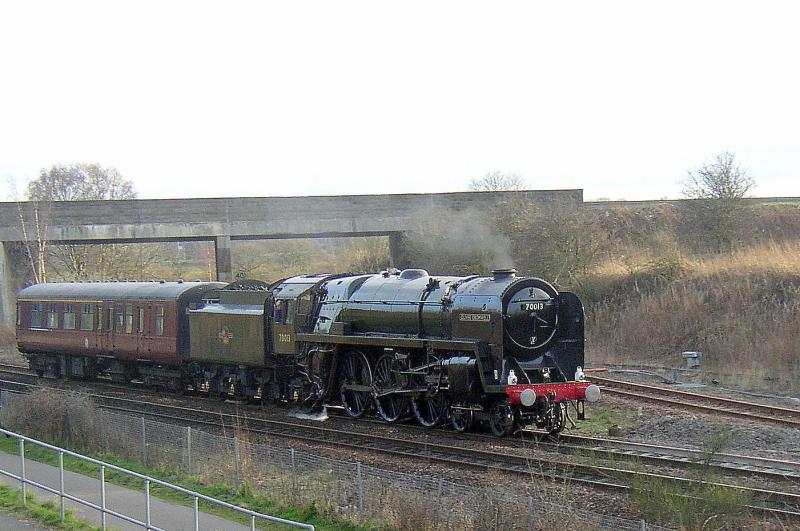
(253, 523)
(22, 470)
(196, 515)
(61, 481)
(103, 497)
(147, 503)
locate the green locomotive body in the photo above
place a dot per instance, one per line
(399, 343)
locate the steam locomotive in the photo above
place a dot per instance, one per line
(501, 350)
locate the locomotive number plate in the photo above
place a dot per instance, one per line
(532, 306)
(475, 317)
(285, 338)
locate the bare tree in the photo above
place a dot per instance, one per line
(80, 182)
(718, 190)
(33, 225)
(76, 182)
(722, 180)
(497, 181)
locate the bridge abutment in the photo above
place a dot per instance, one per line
(14, 275)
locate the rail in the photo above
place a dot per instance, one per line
(694, 401)
(147, 482)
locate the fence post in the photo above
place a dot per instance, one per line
(360, 486)
(147, 503)
(643, 525)
(101, 431)
(530, 513)
(188, 450)
(102, 497)
(22, 488)
(294, 473)
(438, 503)
(144, 443)
(236, 459)
(61, 481)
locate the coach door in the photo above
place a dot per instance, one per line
(105, 327)
(139, 329)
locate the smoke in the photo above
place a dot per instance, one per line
(460, 241)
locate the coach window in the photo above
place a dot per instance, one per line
(110, 322)
(52, 315)
(69, 316)
(120, 320)
(159, 320)
(19, 316)
(36, 315)
(141, 320)
(129, 318)
(87, 317)
(99, 317)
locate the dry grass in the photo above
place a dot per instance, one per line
(742, 310)
(54, 416)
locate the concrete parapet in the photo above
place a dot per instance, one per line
(249, 217)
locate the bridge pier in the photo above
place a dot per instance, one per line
(14, 275)
(222, 252)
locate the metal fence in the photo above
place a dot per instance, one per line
(147, 482)
(356, 491)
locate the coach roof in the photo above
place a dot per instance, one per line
(114, 290)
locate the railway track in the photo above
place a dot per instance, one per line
(700, 402)
(612, 449)
(610, 477)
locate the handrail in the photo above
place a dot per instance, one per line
(196, 496)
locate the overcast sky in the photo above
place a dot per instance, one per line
(299, 97)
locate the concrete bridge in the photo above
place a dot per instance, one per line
(222, 220)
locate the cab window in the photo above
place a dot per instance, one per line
(291, 309)
(279, 312)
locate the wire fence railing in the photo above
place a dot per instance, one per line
(147, 482)
(352, 490)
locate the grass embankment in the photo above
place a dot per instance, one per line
(242, 497)
(741, 309)
(46, 513)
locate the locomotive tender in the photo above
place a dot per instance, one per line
(503, 349)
